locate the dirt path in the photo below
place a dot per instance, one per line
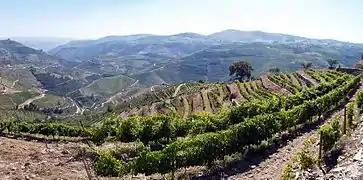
(206, 101)
(177, 89)
(273, 166)
(14, 83)
(299, 80)
(197, 103)
(307, 79)
(271, 86)
(186, 108)
(233, 88)
(21, 159)
(294, 81)
(31, 100)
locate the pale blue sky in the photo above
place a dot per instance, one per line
(333, 19)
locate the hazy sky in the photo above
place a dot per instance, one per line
(334, 19)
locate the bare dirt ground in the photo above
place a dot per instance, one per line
(273, 87)
(233, 88)
(307, 78)
(197, 103)
(20, 159)
(186, 108)
(206, 101)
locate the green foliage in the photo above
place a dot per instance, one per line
(241, 70)
(306, 65)
(332, 63)
(149, 128)
(288, 174)
(205, 148)
(46, 129)
(359, 101)
(305, 156)
(350, 114)
(274, 70)
(107, 165)
(330, 134)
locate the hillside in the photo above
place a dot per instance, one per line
(201, 136)
(152, 59)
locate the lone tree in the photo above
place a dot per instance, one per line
(306, 65)
(332, 63)
(274, 70)
(240, 70)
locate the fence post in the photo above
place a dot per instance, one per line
(345, 120)
(320, 144)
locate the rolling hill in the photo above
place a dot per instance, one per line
(192, 57)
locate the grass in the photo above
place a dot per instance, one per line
(21, 97)
(50, 100)
(108, 86)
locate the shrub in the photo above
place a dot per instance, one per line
(350, 114)
(107, 165)
(288, 174)
(330, 134)
(359, 101)
(305, 157)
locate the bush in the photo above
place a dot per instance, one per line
(288, 174)
(359, 101)
(305, 156)
(330, 134)
(350, 114)
(107, 165)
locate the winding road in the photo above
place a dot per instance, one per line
(31, 100)
(79, 110)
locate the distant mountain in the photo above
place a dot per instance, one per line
(48, 70)
(191, 56)
(44, 43)
(253, 36)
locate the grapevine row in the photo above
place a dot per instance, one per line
(153, 128)
(205, 148)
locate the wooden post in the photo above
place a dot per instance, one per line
(320, 144)
(345, 120)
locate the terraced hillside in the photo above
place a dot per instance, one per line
(206, 145)
(190, 98)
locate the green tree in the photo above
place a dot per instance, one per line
(110, 108)
(306, 65)
(240, 70)
(274, 70)
(332, 63)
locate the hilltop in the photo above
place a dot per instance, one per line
(190, 56)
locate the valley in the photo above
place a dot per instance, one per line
(158, 107)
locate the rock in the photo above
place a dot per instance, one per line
(358, 156)
(27, 164)
(338, 169)
(65, 152)
(253, 167)
(297, 175)
(361, 142)
(13, 168)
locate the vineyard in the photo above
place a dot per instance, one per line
(192, 98)
(195, 124)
